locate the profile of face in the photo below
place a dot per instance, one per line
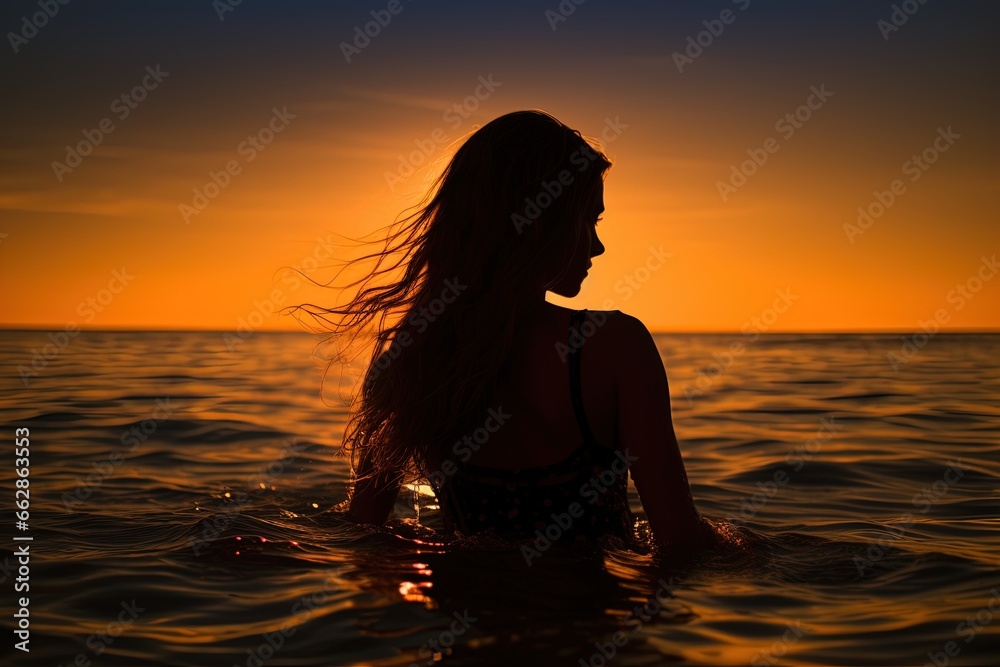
(590, 247)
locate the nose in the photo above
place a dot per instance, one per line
(596, 247)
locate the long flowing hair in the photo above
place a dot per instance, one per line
(449, 288)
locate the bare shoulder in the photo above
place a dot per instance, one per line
(619, 330)
(619, 340)
(618, 322)
(610, 339)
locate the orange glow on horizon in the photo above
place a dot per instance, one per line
(348, 166)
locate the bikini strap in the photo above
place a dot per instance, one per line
(576, 341)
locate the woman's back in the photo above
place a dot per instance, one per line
(535, 391)
(550, 477)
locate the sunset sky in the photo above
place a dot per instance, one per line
(268, 91)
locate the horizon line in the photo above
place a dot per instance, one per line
(816, 332)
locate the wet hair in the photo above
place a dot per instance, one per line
(501, 223)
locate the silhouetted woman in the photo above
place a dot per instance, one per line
(524, 416)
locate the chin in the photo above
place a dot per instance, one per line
(567, 291)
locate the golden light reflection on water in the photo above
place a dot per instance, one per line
(413, 592)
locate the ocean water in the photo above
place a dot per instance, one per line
(183, 511)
